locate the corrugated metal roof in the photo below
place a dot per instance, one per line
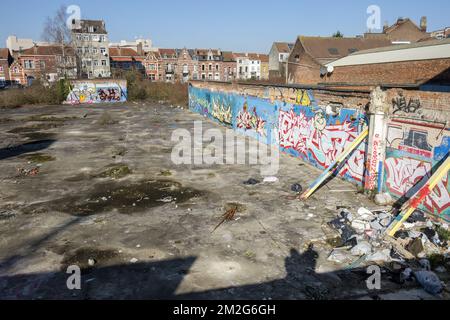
(439, 49)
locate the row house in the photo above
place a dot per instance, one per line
(168, 61)
(278, 56)
(48, 63)
(153, 66)
(126, 59)
(249, 66)
(5, 62)
(229, 66)
(187, 65)
(210, 64)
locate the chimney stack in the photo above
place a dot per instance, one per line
(423, 24)
(140, 50)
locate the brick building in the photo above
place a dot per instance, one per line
(424, 66)
(5, 62)
(152, 66)
(310, 54)
(210, 64)
(403, 31)
(186, 66)
(168, 67)
(229, 66)
(48, 63)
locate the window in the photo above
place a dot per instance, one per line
(91, 29)
(29, 64)
(80, 50)
(42, 64)
(95, 63)
(86, 38)
(203, 67)
(94, 50)
(210, 76)
(217, 67)
(185, 69)
(217, 77)
(333, 51)
(203, 76)
(102, 50)
(210, 67)
(297, 58)
(152, 77)
(1, 68)
(104, 63)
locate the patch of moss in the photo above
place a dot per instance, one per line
(117, 172)
(166, 173)
(443, 233)
(39, 158)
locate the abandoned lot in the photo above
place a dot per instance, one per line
(96, 187)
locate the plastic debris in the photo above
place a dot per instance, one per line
(270, 179)
(380, 256)
(429, 281)
(297, 188)
(362, 248)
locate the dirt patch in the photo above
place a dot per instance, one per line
(126, 199)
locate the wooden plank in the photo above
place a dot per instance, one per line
(409, 207)
(330, 170)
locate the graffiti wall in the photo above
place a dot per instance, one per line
(97, 91)
(414, 150)
(297, 123)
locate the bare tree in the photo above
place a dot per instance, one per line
(57, 31)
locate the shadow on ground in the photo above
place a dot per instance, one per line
(14, 151)
(160, 280)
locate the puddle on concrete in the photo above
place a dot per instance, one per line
(81, 257)
(127, 199)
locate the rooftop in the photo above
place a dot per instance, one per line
(428, 50)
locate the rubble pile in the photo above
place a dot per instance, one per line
(420, 248)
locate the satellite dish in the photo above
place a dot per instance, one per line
(330, 69)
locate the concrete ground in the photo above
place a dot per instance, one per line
(106, 197)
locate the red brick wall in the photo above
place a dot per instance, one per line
(4, 69)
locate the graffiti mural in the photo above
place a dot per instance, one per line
(413, 149)
(90, 92)
(319, 139)
(300, 127)
(401, 105)
(251, 121)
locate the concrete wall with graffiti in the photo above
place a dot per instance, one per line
(301, 126)
(97, 91)
(415, 148)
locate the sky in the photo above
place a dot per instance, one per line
(237, 25)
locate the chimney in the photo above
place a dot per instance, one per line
(423, 24)
(140, 50)
(386, 26)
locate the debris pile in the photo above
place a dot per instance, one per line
(28, 172)
(422, 246)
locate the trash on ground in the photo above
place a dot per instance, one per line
(429, 281)
(251, 182)
(270, 180)
(297, 188)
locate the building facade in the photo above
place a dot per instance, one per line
(278, 56)
(210, 64)
(187, 65)
(126, 59)
(5, 62)
(229, 66)
(169, 62)
(152, 65)
(47, 63)
(91, 43)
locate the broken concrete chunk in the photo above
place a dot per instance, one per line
(365, 214)
(415, 246)
(380, 256)
(360, 226)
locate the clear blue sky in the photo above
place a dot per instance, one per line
(239, 25)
